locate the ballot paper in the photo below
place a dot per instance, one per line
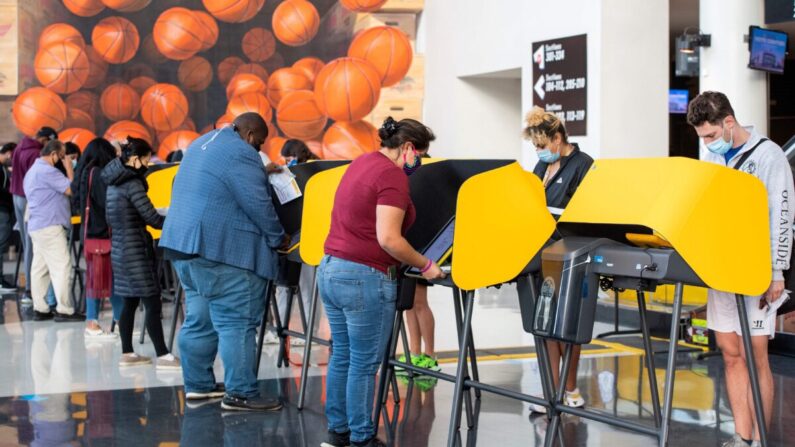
(772, 308)
(285, 186)
(162, 211)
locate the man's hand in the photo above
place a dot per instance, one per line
(774, 291)
(273, 168)
(285, 242)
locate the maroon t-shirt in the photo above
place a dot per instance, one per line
(371, 180)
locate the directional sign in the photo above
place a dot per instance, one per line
(560, 80)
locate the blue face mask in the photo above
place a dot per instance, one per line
(547, 156)
(721, 146)
(292, 163)
(411, 169)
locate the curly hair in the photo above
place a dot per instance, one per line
(709, 107)
(542, 126)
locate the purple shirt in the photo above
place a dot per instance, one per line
(24, 156)
(44, 187)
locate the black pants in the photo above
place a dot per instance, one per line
(153, 306)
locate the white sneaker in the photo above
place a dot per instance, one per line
(26, 301)
(100, 335)
(271, 338)
(538, 409)
(168, 362)
(574, 399)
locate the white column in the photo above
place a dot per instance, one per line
(724, 65)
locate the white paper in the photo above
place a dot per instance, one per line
(162, 211)
(772, 308)
(285, 186)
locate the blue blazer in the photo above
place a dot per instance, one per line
(221, 207)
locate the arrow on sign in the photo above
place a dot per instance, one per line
(539, 87)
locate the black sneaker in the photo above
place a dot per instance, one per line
(373, 442)
(218, 391)
(250, 404)
(337, 439)
(42, 316)
(66, 318)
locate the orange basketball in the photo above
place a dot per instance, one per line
(363, 5)
(85, 101)
(115, 39)
(120, 102)
(284, 81)
(62, 67)
(97, 68)
(227, 69)
(255, 69)
(388, 49)
(233, 11)
(211, 30)
(179, 140)
(224, 120)
(258, 44)
(150, 51)
(60, 32)
(127, 5)
(38, 107)
(84, 8)
(347, 89)
(310, 67)
(316, 147)
(164, 107)
(119, 131)
(347, 141)
(299, 117)
(206, 129)
(273, 148)
(245, 83)
(141, 83)
(274, 63)
(250, 102)
(188, 124)
(195, 74)
(295, 22)
(273, 132)
(78, 118)
(78, 136)
(179, 33)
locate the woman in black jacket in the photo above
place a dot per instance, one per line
(129, 211)
(88, 195)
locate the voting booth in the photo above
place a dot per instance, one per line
(694, 224)
(484, 222)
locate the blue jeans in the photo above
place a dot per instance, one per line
(92, 307)
(223, 309)
(360, 305)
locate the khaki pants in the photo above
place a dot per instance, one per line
(51, 263)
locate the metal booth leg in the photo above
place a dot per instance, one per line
(310, 334)
(649, 355)
(458, 393)
(264, 324)
(285, 326)
(175, 317)
(387, 373)
(554, 423)
(670, 368)
(458, 307)
(752, 373)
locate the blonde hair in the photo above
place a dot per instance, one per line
(542, 126)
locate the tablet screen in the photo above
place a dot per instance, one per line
(439, 247)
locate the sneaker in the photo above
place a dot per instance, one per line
(337, 439)
(735, 441)
(271, 338)
(574, 399)
(99, 335)
(196, 404)
(425, 383)
(538, 409)
(67, 318)
(133, 359)
(26, 300)
(168, 362)
(218, 391)
(42, 316)
(402, 359)
(250, 404)
(427, 362)
(372, 442)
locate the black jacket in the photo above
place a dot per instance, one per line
(6, 201)
(565, 182)
(97, 223)
(128, 212)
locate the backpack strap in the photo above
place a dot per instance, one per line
(747, 154)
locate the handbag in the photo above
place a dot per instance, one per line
(93, 246)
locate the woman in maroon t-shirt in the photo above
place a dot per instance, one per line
(357, 278)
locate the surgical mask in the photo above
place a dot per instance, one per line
(411, 169)
(292, 163)
(721, 146)
(547, 156)
(74, 163)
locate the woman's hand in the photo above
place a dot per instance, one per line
(434, 272)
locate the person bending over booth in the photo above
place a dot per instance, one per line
(358, 276)
(561, 166)
(222, 233)
(732, 145)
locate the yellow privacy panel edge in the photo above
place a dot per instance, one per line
(161, 183)
(316, 216)
(715, 217)
(502, 222)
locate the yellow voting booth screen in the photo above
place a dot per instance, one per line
(161, 183)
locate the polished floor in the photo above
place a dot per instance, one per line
(57, 389)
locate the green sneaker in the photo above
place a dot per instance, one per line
(428, 362)
(402, 359)
(423, 383)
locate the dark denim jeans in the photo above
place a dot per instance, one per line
(223, 308)
(360, 305)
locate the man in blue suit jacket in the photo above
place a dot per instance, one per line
(222, 233)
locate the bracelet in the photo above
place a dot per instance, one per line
(427, 266)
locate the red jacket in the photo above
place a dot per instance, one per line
(24, 156)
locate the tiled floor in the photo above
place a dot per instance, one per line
(56, 389)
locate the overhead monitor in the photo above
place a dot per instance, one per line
(677, 101)
(768, 49)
